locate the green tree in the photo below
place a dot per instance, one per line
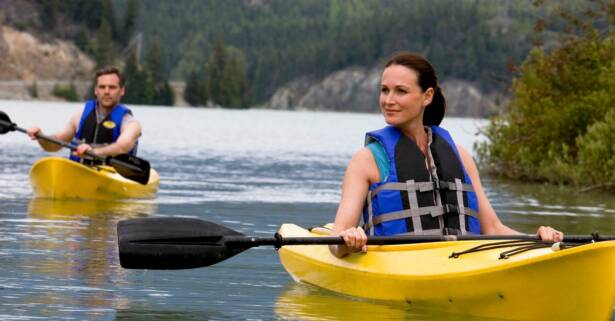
(130, 20)
(138, 86)
(227, 84)
(68, 92)
(163, 94)
(108, 13)
(49, 13)
(553, 128)
(83, 42)
(105, 53)
(196, 89)
(33, 90)
(215, 68)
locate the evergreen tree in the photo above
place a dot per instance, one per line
(108, 13)
(215, 67)
(130, 20)
(195, 93)
(105, 54)
(227, 82)
(164, 95)
(82, 41)
(49, 12)
(235, 86)
(138, 88)
(153, 61)
(89, 12)
(162, 92)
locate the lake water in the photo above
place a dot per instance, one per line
(249, 170)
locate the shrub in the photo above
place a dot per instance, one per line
(67, 92)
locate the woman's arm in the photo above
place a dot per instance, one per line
(360, 173)
(489, 221)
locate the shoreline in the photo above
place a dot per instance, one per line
(21, 90)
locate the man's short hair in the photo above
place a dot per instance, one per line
(108, 71)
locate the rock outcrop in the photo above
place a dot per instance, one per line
(357, 89)
(27, 62)
(24, 57)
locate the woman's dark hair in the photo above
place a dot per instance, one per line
(434, 112)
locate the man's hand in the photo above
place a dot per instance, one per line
(82, 149)
(33, 131)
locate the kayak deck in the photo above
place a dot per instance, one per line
(571, 284)
(60, 178)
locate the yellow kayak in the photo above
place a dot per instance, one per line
(61, 178)
(576, 283)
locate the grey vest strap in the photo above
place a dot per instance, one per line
(460, 207)
(415, 212)
(425, 186)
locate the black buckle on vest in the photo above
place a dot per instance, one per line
(451, 231)
(448, 208)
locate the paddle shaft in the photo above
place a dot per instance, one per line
(111, 160)
(279, 241)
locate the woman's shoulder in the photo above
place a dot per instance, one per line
(362, 155)
(466, 159)
(363, 163)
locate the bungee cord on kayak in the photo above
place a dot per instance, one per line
(519, 246)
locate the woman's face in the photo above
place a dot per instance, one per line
(402, 101)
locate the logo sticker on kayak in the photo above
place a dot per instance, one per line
(109, 124)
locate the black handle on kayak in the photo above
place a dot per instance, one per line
(130, 167)
(167, 243)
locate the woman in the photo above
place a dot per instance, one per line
(413, 176)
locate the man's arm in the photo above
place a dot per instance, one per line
(66, 134)
(131, 131)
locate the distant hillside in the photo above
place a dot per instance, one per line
(280, 40)
(268, 47)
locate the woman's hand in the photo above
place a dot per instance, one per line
(355, 239)
(549, 234)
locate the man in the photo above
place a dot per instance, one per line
(104, 127)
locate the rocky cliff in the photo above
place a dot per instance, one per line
(25, 59)
(357, 89)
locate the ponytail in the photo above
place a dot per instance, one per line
(434, 112)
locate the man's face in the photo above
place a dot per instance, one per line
(108, 91)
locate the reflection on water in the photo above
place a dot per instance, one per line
(166, 315)
(525, 206)
(249, 170)
(70, 255)
(307, 303)
(42, 208)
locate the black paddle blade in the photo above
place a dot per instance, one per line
(171, 243)
(131, 167)
(5, 123)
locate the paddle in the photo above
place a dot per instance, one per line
(131, 167)
(168, 243)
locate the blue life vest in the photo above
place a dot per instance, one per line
(408, 200)
(90, 131)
